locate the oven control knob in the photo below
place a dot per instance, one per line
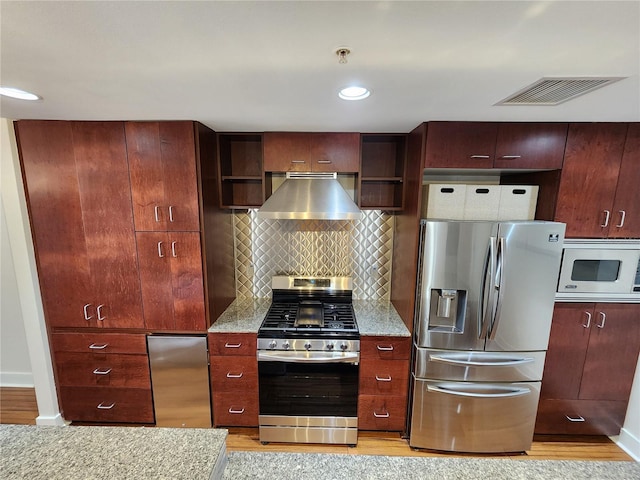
(307, 345)
(286, 345)
(330, 346)
(344, 346)
(273, 344)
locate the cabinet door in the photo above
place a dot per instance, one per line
(568, 340)
(334, 152)
(589, 177)
(460, 144)
(163, 175)
(171, 278)
(286, 152)
(79, 199)
(625, 216)
(530, 145)
(613, 352)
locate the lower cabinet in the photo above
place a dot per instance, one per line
(234, 379)
(103, 377)
(384, 375)
(589, 368)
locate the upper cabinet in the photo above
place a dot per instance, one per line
(311, 152)
(162, 166)
(598, 194)
(240, 163)
(537, 146)
(77, 186)
(382, 170)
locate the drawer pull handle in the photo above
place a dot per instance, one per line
(381, 415)
(575, 419)
(99, 311)
(86, 313)
(234, 375)
(93, 346)
(232, 345)
(173, 250)
(102, 406)
(588, 324)
(160, 254)
(237, 412)
(324, 161)
(171, 213)
(298, 161)
(383, 379)
(603, 317)
(97, 371)
(156, 213)
(385, 349)
(511, 157)
(480, 156)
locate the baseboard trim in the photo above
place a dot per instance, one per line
(629, 443)
(16, 380)
(55, 421)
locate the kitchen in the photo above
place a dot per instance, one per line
(360, 124)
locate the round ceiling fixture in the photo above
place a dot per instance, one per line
(17, 93)
(354, 93)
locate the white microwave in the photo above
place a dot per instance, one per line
(600, 270)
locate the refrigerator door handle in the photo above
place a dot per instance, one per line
(498, 286)
(462, 359)
(487, 310)
(461, 391)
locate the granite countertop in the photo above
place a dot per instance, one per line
(83, 453)
(374, 317)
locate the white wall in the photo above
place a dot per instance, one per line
(629, 438)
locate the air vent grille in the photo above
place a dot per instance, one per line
(553, 91)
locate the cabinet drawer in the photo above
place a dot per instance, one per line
(238, 408)
(382, 412)
(385, 348)
(580, 417)
(232, 344)
(231, 374)
(104, 343)
(384, 377)
(88, 404)
(89, 370)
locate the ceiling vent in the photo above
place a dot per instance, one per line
(556, 90)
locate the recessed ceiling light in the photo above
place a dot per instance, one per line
(17, 93)
(354, 93)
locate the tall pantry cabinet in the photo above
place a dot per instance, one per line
(115, 215)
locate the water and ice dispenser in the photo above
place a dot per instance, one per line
(447, 311)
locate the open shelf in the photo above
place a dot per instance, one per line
(241, 177)
(382, 171)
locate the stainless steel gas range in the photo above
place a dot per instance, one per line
(308, 362)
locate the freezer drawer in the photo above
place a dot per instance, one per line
(479, 366)
(473, 417)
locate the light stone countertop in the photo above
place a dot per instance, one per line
(114, 453)
(374, 317)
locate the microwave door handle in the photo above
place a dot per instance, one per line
(498, 286)
(490, 269)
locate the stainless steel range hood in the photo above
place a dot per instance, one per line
(310, 196)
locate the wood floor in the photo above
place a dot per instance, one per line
(18, 406)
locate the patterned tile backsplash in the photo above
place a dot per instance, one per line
(361, 249)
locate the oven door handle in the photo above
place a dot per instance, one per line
(309, 357)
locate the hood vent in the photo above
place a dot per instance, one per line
(556, 90)
(310, 196)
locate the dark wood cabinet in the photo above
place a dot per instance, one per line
(171, 277)
(495, 145)
(77, 185)
(240, 164)
(589, 368)
(590, 174)
(162, 165)
(625, 214)
(382, 171)
(311, 152)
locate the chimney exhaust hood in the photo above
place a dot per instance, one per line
(310, 196)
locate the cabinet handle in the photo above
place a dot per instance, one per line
(237, 412)
(97, 371)
(156, 213)
(603, 317)
(102, 406)
(173, 250)
(93, 346)
(381, 415)
(232, 345)
(588, 324)
(99, 311)
(298, 161)
(86, 313)
(160, 254)
(234, 375)
(511, 157)
(385, 349)
(383, 379)
(607, 215)
(575, 419)
(623, 214)
(480, 156)
(324, 161)
(171, 213)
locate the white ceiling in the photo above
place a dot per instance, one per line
(259, 66)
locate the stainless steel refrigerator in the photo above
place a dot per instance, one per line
(484, 303)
